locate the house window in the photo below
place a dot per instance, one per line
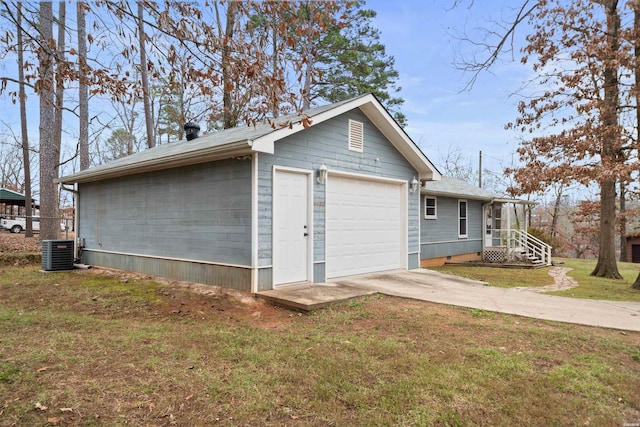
(497, 215)
(462, 218)
(356, 136)
(430, 208)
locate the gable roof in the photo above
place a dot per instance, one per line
(260, 138)
(452, 187)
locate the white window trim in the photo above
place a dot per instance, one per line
(466, 218)
(435, 207)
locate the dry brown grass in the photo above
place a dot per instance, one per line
(108, 348)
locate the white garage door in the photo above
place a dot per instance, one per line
(365, 226)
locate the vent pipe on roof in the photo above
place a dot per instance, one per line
(191, 130)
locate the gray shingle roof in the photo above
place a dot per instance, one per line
(245, 140)
(452, 187)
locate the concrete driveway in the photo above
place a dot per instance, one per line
(428, 285)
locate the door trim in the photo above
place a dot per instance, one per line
(274, 255)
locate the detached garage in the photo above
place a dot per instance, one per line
(255, 208)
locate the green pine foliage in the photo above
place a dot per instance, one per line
(354, 62)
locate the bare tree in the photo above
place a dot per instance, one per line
(23, 128)
(636, 67)
(45, 84)
(587, 145)
(146, 97)
(455, 165)
(83, 87)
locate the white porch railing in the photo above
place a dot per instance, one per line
(534, 248)
(518, 245)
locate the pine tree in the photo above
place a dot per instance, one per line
(353, 61)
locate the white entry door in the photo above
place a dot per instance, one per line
(488, 226)
(291, 228)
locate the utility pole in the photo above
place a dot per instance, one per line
(480, 170)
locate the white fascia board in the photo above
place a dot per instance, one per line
(516, 201)
(264, 144)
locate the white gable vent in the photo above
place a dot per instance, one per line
(356, 136)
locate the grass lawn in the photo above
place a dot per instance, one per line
(597, 287)
(500, 277)
(589, 287)
(96, 349)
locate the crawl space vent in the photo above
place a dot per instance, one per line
(57, 255)
(356, 136)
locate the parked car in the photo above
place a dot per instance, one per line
(18, 225)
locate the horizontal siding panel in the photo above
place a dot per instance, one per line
(217, 275)
(445, 228)
(200, 212)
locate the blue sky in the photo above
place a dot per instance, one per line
(418, 33)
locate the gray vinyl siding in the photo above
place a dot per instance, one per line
(439, 237)
(191, 271)
(327, 143)
(195, 213)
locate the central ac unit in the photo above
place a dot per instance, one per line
(57, 255)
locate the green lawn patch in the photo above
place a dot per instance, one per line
(600, 288)
(92, 349)
(590, 287)
(501, 277)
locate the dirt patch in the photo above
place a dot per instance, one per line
(184, 299)
(197, 300)
(562, 282)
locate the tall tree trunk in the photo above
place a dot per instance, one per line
(146, 94)
(59, 79)
(59, 98)
(48, 163)
(228, 116)
(306, 49)
(606, 266)
(274, 60)
(83, 88)
(23, 128)
(636, 51)
(556, 213)
(623, 221)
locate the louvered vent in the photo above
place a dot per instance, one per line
(356, 136)
(57, 255)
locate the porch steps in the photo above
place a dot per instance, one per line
(532, 259)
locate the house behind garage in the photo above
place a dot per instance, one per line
(254, 208)
(458, 222)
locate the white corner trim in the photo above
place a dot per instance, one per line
(254, 222)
